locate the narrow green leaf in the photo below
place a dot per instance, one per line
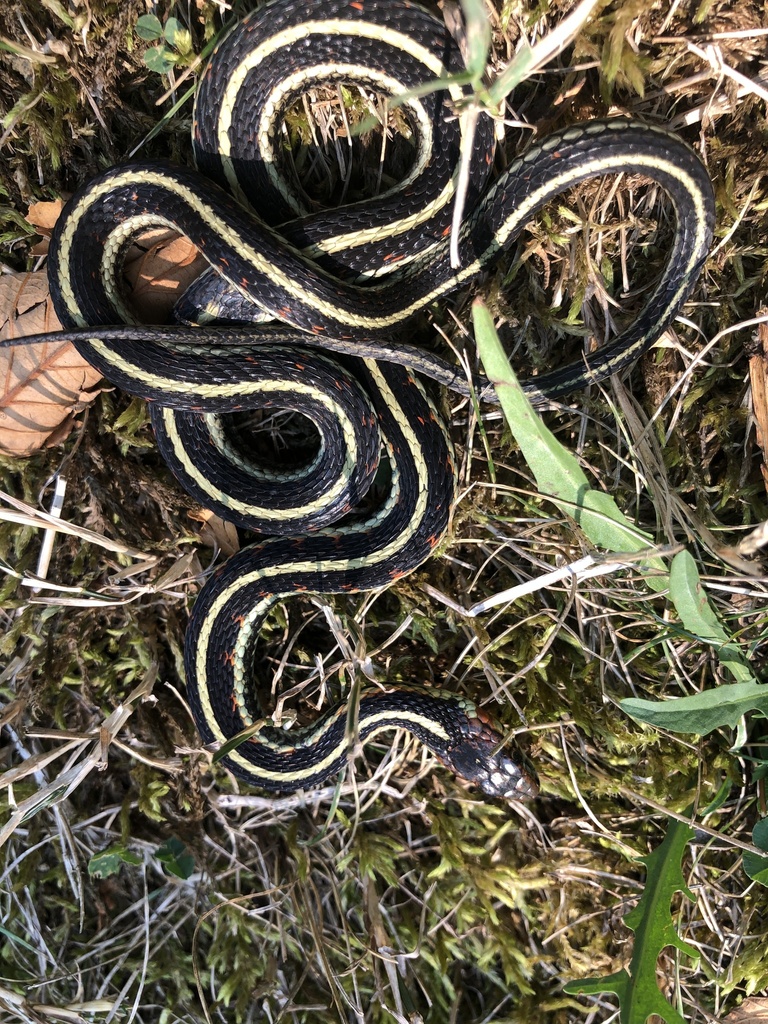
(559, 475)
(528, 59)
(58, 10)
(478, 38)
(235, 741)
(722, 706)
(522, 66)
(699, 618)
(18, 941)
(700, 713)
(556, 470)
(719, 798)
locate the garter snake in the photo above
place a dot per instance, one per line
(349, 283)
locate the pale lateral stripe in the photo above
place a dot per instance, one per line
(239, 671)
(112, 265)
(249, 508)
(295, 33)
(393, 271)
(308, 77)
(313, 567)
(346, 317)
(411, 717)
(215, 425)
(341, 243)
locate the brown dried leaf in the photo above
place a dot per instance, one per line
(751, 1011)
(758, 376)
(216, 532)
(159, 268)
(43, 216)
(41, 386)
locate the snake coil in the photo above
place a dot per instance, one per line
(347, 282)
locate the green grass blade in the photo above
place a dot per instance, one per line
(478, 38)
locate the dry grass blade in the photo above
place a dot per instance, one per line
(28, 516)
(94, 748)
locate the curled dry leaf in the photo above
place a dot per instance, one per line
(42, 217)
(758, 376)
(41, 386)
(216, 532)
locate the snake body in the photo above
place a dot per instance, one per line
(349, 283)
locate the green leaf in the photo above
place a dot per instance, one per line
(756, 866)
(160, 59)
(651, 921)
(149, 27)
(698, 616)
(174, 858)
(760, 834)
(556, 470)
(177, 36)
(171, 29)
(108, 862)
(558, 474)
(700, 713)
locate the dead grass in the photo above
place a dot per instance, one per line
(399, 895)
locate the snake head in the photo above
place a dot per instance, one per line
(481, 758)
